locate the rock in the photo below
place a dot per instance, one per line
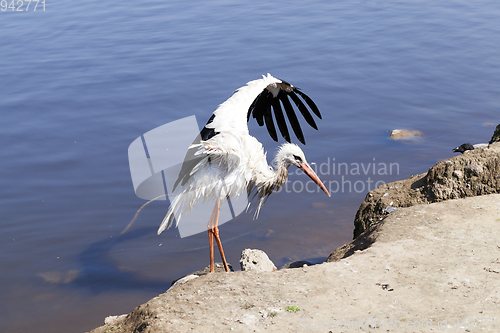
(474, 169)
(399, 134)
(184, 280)
(390, 209)
(496, 135)
(248, 319)
(360, 243)
(467, 175)
(298, 264)
(111, 320)
(256, 260)
(219, 268)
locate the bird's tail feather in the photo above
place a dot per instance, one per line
(171, 214)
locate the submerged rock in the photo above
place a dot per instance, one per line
(399, 134)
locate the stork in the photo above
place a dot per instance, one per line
(227, 161)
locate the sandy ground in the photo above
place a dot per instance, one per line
(431, 267)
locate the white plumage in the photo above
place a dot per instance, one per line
(228, 161)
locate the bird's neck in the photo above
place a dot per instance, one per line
(269, 183)
(274, 180)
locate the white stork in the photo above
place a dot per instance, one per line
(228, 161)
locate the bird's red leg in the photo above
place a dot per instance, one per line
(211, 245)
(221, 251)
(213, 230)
(212, 222)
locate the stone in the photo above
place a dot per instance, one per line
(496, 135)
(474, 173)
(390, 209)
(256, 260)
(474, 169)
(184, 280)
(219, 268)
(298, 264)
(399, 134)
(248, 319)
(111, 320)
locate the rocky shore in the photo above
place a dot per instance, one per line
(475, 172)
(426, 256)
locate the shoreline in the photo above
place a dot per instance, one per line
(434, 264)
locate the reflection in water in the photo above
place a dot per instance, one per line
(57, 277)
(101, 274)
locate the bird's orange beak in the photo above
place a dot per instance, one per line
(310, 172)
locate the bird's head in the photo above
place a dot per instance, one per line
(291, 154)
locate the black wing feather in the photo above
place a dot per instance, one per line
(303, 109)
(294, 122)
(309, 102)
(280, 118)
(265, 104)
(208, 133)
(268, 117)
(259, 106)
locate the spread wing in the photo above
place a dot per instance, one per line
(267, 100)
(260, 99)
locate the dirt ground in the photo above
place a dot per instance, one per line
(431, 266)
(416, 266)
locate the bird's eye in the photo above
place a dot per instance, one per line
(297, 158)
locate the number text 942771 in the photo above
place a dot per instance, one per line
(22, 5)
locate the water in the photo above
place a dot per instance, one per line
(80, 81)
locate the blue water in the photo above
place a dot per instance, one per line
(80, 81)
